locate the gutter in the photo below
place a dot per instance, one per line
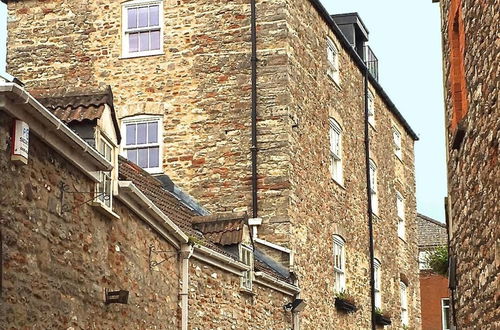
(129, 187)
(219, 260)
(362, 66)
(253, 148)
(273, 283)
(52, 124)
(369, 204)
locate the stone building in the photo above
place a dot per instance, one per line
(276, 112)
(471, 56)
(434, 293)
(66, 250)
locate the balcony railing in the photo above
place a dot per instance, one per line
(371, 62)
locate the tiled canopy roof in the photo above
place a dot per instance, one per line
(222, 229)
(431, 233)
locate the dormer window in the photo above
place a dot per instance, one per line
(104, 189)
(332, 56)
(142, 28)
(246, 257)
(142, 141)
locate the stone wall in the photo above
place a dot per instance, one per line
(201, 85)
(473, 171)
(56, 267)
(217, 302)
(320, 207)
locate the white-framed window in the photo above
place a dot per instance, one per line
(371, 108)
(104, 189)
(373, 186)
(336, 151)
(445, 313)
(377, 284)
(246, 257)
(339, 263)
(398, 151)
(332, 56)
(142, 28)
(141, 144)
(404, 303)
(400, 207)
(422, 260)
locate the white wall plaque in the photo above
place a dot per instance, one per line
(20, 142)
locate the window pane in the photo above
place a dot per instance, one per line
(142, 158)
(141, 133)
(133, 42)
(155, 40)
(132, 18)
(144, 41)
(153, 132)
(154, 16)
(154, 157)
(143, 16)
(131, 132)
(132, 155)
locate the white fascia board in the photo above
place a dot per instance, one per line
(273, 283)
(272, 245)
(128, 188)
(222, 261)
(51, 130)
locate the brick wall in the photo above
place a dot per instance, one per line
(433, 288)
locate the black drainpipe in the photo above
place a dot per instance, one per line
(369, 195)
(253, 148)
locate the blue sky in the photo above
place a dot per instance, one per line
(405, 36)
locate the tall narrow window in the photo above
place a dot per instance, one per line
(104, 193)
(404, 303)
(335, 151)
(332, 56)
(377, 278)
(373, 187)
(446, 316)
(142, 143)
(142, 28)
(246, 256)
(339, 263)
(398, 151)
(400, 206)
(371, 108)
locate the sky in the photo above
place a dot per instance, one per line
(405, 36)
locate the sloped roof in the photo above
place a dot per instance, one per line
(431, 233)
(222, 229)
(81, 106)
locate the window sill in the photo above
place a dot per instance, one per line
(247, 291)
(336, 81)
(105, 210)
(145, 54)
(341, 185)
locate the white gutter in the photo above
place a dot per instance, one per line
(53, 131)
(272, 245)
(219, 260)
(273, 283)
(129, 187)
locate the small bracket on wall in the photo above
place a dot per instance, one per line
(152, 250)
(65, 189)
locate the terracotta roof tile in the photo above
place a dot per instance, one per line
(222, 229)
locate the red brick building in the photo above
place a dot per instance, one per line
(434, 294)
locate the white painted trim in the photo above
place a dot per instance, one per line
(278, 285)
(186, 253)
(128, 188)
(18, 103)
(219, 260)
(272, 245)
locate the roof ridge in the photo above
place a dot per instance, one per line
(437, 222)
